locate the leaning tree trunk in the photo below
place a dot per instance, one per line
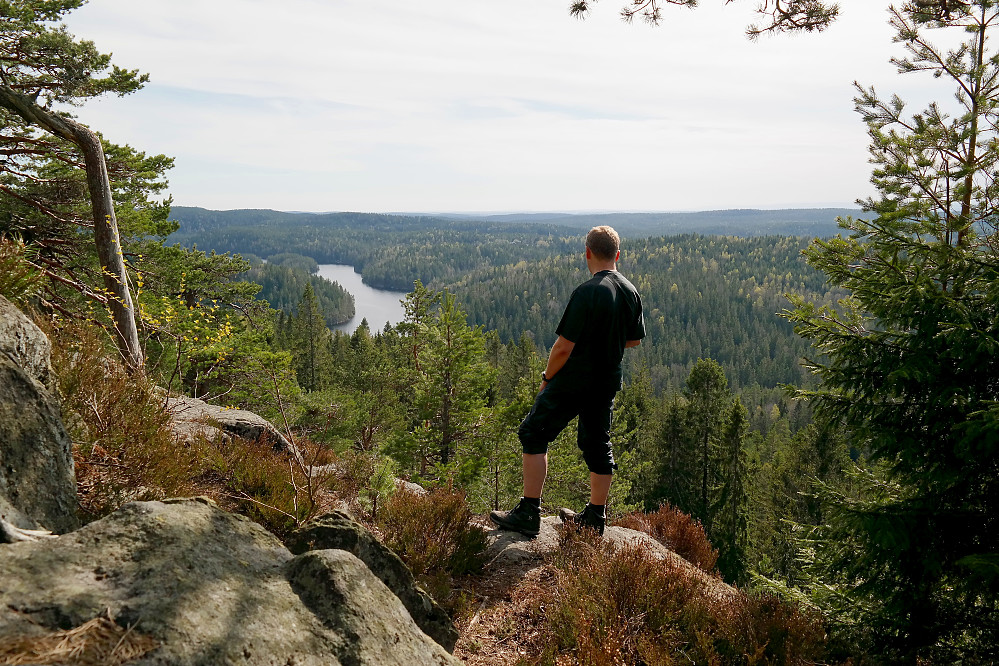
(106, 236)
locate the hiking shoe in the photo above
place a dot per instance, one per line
(588, 517)
(523, 518)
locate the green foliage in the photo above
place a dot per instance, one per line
(296, 261)
(703, 297)
(910, 365)
(282, 286)
(51, 64)
(19, 279)
(449, 381)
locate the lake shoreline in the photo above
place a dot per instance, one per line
(378, 306)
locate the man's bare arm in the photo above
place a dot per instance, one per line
(559, 354)
(632, 343)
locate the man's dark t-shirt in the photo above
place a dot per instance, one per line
(603, 313)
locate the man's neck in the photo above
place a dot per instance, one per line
(596, 268)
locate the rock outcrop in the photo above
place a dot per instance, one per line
(209, 588)
(512, 549)
(339, 531)
(37, 481)
(191, 417)
(24, 343)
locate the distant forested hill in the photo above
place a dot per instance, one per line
(705, 296)
(390, 251)
(810, 222)
(283, 280)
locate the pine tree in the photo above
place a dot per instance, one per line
(911, 361)
(311, 346)
(729, 522)
(707, 397)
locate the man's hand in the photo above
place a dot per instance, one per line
(557, 357)
(632, 343)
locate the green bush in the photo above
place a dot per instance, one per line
(19, 280)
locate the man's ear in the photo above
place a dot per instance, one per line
(589, 255)
(617, 256)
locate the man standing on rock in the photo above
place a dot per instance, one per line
(602, 319)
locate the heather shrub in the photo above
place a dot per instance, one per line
(432, 533)
(763, 624)
(678, 532)
(610, 606)
(269, 487)
(123, 449)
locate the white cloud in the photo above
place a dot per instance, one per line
(445, 105)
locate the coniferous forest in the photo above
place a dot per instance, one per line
(823, 406)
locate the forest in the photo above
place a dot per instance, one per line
(824, 408)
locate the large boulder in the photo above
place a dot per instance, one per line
(24, 343)
(339, 531)
(209, 588)
(36, 460)
(191, 417)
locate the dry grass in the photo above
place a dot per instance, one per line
(99, 642)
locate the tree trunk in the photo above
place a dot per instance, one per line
(106, 236)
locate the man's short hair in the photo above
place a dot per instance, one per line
(603, 242)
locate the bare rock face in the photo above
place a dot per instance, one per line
(339, 531)
(210, 588)
(36, 460)
(345, 595)
(191, 416)
(24, 343)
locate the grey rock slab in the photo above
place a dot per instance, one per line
(24, 343)
(210, 586)
(36, 461)
(341, 590)
(190, 416)
(337, 530)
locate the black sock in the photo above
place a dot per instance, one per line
(533, 501)
(597, 509)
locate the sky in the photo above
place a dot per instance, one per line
(499, 106)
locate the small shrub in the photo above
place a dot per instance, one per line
(678, 532)
(610, 606)
(777, 631)
(268, 487)
(433, 536)
(432, 532)
(624, 606)
(123, 449)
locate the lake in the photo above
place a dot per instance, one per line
(378, 306)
